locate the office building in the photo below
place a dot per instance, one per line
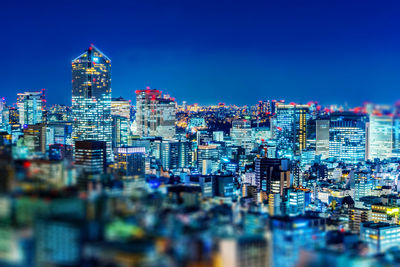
(204, 137)
(170, 154)
(295, 202)
(155, 116)
(297, 174)
(60, 152)
(207, 184)
(357, 216)
(223, 185)
(91, 98)
(322, 138)
(130, 161)
(90, 156)
(291, 129)
(241, 134)
(396, 132)
(176, 154)
(4, 115)
(120, 131)
(347, 137)
(362, 185)
(272, 175)
(58, 113)
(380, 236)
(275, 204)
(35, 137)
(13, 116)
(380, 137)
(208, 159)
(311, 134)
(31, 107)
(218, 136)
(59, 132)
(385, 213)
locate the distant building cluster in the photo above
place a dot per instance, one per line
(108, 181)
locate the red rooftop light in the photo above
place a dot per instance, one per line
(26, 164)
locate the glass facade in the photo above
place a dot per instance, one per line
(380, 143)
(31, 107)
(241, 134)
(347, 137)
(120, 131)
(396, 132)
(291, 129)
(91, 98)
(130, 161)
(322, 138)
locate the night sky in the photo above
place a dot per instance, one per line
(206, 52)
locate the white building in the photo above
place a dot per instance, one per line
(380, 137)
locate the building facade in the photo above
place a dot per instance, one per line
(380, 137)
(291, 129)
(347, 137)
(31, 107)
(91, 98)
(155, 116)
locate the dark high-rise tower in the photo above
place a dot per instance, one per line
(90, 156)
(91, 97)
(272, 175)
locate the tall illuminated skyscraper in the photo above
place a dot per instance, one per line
(91, 98)
(31, 107)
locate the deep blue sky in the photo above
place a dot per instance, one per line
(205, 51)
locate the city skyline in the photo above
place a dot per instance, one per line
(200, 133)
(297, 52)
(132, 96)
